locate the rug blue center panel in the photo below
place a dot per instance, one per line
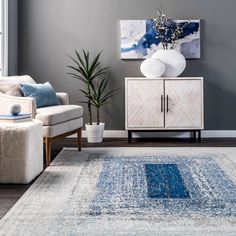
(163, 185)
(165, 181)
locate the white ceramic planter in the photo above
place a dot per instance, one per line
(95, 132)
(174, 61)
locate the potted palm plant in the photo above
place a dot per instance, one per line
(95, 93)
(99, 98)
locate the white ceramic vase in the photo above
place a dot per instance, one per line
(95, 132)
(152, 68)
(174, 61)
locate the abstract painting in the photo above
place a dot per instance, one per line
(138, 39)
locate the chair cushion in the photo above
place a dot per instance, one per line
(17, 79)
(11, 89)
(43, 94)
(58, 114)
(10, 85)
(62, 128)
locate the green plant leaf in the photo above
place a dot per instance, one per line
(108, 95)
(100, 72)
(94, 64)
(100, 89)
(80, 64)
(79, 70)
(77, 77)
(103, 85)
(74, 60)
(86, 58)
(84, 92)
(80, 59)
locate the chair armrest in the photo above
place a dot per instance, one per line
(28, 105)
(63, 98)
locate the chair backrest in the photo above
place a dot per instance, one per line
(17, 79)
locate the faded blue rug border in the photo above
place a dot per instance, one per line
(124, 187)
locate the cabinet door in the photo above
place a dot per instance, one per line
(184, 103)
(144, 107)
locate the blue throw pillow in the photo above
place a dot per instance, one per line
(43, 94)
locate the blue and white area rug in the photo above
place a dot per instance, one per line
(131, 191)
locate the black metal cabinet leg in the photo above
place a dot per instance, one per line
(194, 135)
(199, 136)
(129, 136)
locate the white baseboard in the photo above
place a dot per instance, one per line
(205, 134)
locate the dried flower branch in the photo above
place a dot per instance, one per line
(167, 30)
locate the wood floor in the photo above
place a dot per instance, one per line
(9, 194)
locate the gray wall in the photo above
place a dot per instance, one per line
(51, 29)
(13, 37)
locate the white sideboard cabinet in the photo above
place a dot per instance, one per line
(164, 104)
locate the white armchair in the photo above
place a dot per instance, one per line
(58, 121)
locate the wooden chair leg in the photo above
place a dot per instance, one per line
(79, 138)
(48, 147)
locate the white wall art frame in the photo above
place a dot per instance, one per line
(138, 39)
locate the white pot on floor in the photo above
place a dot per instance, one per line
(95, 132)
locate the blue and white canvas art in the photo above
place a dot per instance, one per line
(138, 39)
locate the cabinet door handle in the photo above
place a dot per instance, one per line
(162, 103)
(167, 103)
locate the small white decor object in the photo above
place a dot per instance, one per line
(14, 109)
(95, 132)
(152, 68)
(174, 61)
